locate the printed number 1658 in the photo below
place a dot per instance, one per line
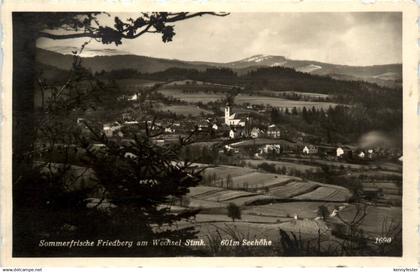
(383, 240)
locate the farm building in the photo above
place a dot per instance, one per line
(236, 133)
(111, 128)
(273, 131)
(169, 130)
(340, 152)
(231, 119)
(271, 148)
(126, 116)
(202, 124)
(310, 149)
(134, 97)
(80, 120)
(256, 132)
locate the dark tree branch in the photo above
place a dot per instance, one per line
(67, 36)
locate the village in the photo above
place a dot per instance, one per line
(235, 130)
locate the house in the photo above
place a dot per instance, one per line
(130, 155)
(236, 133)
(80, 121)
(169, 130)
(203, 124)
(370, 153)
(126, 116)
(233, 134)
(256, 132)
(310, 149)
(231, 119)
(134, 97)
(339, 152)
(273, 131)
(158, 141)
(131, 123)
(215, 127)
(361, 155)
(271, 148)
(228, 147)
(110, 129)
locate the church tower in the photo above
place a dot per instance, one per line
(227, 114)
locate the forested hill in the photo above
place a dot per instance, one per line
(384, 75)
(277, 79)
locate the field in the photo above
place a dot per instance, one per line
(223, 170)
(211, 195)
(378, 219)
(197, 84)
(205, 97)
(326, 193)
(192, 97)
(239, 230)
(387, 167)
(280, 164)
(312, 95)
(292, 189)
(260, 141)
(280, 102)
(133, 85)
(306, 210)
(185, 110)
(260, 180)
(274, 185)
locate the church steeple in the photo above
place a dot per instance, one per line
(227, 114)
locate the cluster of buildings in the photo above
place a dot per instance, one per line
(240, 126)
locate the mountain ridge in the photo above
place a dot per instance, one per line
(389, 75)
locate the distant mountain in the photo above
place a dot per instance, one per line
(258, 60)
(114, 62)
(389, 75)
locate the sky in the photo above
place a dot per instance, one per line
(360, 39)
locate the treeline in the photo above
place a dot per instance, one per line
(340, 124)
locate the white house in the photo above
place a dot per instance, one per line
(361, 154)
(231, 120)
(370, 153)
(256, 132)
(339, 152)
(215, 127)
(228, 147)
(80, 120)
(169, 130)
(131, 123)
(273, 131)
(310, 149)
(236, 133)
(109, 129)
(233, 134)
(135, 97)
(269, 148)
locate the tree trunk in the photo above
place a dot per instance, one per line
(23, 134)
(24, 41)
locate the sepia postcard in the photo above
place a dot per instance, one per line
(150, 133)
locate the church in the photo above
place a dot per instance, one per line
(231, 119)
